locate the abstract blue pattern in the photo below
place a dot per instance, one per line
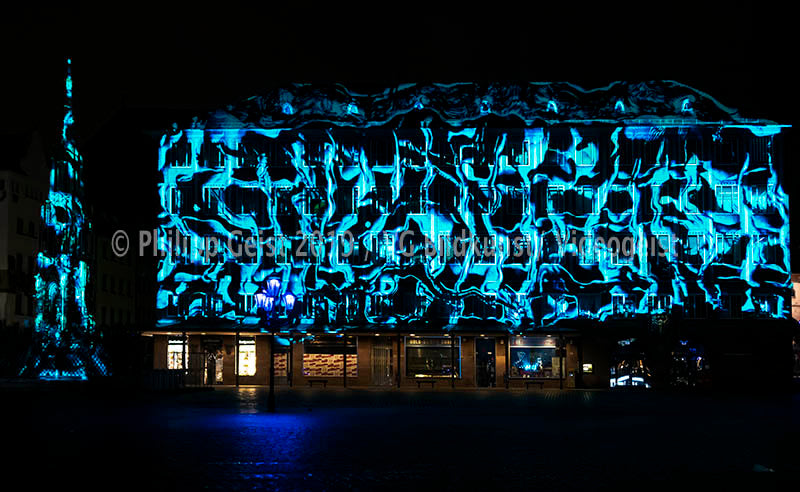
(66, 344)
(525, 205)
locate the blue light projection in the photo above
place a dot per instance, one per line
(65, 342)
(416, 205)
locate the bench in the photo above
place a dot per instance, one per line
(323, 381)
(529, 383)
(420, 382)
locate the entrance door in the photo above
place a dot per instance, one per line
(484, 362)
(381, 361)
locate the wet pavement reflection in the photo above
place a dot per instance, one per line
(332, 439)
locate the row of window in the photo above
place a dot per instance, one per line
(320, 308)
(114, 316)
(381, 152)
(31, 230)
(559, 199)
(16, 265)
(486, 249)
(17, 188)
(115, 286)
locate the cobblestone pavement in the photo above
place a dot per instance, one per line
(330, 439)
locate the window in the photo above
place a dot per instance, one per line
(694, 200)
(379, 152)
(483, 201)
(622, 249)
(317, 307)
(659, 249)
(447, 250)
(382, 200)
(766, 249)
(586, 156)
(381, 305)
(694, 306)
(693, 149)
(323, 356)
(313, 202)
(213, 196)
(694, 248)
(280, 249)
(550, 247)
(308, 250)
(659, 303)
(247, 357)
(555, 199)
(383, 246)
(519, 249)
(765, 305)
(729, 249)
(346, 199)
(514, 202)
(623, 305)
(533, 357)
(730, 306)
(727, 198)
(176, 355)
(283, 201)
(20, 226)
(346, 249)
(619, 199)
(584, 200)
(758, 197)
(485, 249)
(585, 248)
(433, 357)
(760, 150)
(411, 195)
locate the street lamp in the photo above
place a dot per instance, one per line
(266, 299)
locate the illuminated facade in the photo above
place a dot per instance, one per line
(65, 342)
(462, 209)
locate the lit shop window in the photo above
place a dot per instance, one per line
(247, 357)
(323, 356)
(534, 357)
(432, 356)
(175, 355)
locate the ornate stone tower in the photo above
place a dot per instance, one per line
(66, 344)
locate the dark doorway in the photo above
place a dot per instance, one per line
(484, 362)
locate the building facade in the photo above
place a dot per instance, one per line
(469, 235)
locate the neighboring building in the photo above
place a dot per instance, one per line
(23, 187)
(115, 293)
(482, 234)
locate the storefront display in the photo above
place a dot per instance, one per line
(324, 357)
(176, 354)
(534, 357)
(247, 357)
(433, 356)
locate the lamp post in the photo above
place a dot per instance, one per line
(266, 300)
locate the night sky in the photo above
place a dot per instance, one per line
(139, 68)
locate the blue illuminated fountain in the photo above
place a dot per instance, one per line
(66, 343)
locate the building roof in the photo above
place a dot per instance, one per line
(656, 102)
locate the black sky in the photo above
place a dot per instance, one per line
(138, 67)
